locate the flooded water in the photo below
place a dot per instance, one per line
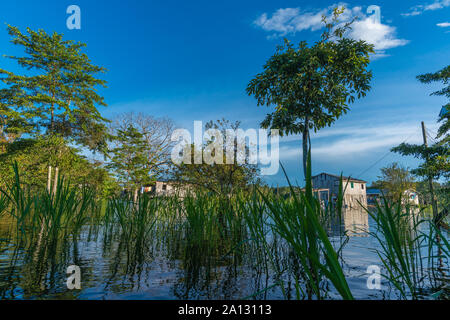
(170, 268)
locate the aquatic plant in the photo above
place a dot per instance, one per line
(298, 222)
(398, 234)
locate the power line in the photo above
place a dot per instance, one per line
(383, 157)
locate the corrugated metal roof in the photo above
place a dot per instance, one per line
(343, 177)
(373, 191)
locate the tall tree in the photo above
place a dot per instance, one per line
(435, 157)
(156, 133)
(129, 159)
(59, 89)
(225, 178)
(312, 86)
(395, 180)
(14, 121)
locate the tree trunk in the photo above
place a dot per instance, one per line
(49, 179)
(305, 141)
(136, 195)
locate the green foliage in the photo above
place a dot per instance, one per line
(395, 180)
(442, 193)
(14, 120)
(436, 157)
(58, 94)
(43, 217)
(408, 251)
(219, 178)
(34, 155)
(129, 158)
(312, 86)
(298, 221)
(444, 77)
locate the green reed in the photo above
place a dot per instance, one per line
(44, 214)
(136, 221)
(283, 239)
(299, 221)
(401, 241)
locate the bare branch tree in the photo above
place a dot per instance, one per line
(157, 133)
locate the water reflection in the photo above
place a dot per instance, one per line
(353, 222)
(168, 264)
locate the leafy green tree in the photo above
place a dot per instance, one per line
(14, 121)
(129, 159)
(395, 180)
(436, 157)
(156, 132)
(57, 95)
(444, 77)
(221, 179)
(312, 86)
(33, 156)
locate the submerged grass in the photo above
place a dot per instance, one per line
(408, 253)
(298, 222)
(284, 240)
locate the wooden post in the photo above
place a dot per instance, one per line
(49, 179)
(430, 178)
(55, 183)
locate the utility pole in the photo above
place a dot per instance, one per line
(430, 178)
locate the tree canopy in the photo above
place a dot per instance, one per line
(395, 180)
(57, 94)
(436, 157)
(312, 86)
(223, 178)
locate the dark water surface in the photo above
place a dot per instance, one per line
(168, 268)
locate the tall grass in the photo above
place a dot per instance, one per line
(298, 222)
(412, 256)
(397, 233)
(284, 240)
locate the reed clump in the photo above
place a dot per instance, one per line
(284, 239)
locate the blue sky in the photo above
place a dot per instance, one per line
(192, 60)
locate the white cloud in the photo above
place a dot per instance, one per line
(444, 24)
(381, 35)
(421, 8)
(351, 141)
(291, 20)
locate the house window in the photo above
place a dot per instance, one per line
(362, 186)
(164, 187)
(352, 185)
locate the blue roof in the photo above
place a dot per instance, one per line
(373, 191)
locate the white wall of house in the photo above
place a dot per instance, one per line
(355, 191)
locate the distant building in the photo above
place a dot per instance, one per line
(373, 196)
(354, 194)
(412, 197)
(409, 196)
(165, 188)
